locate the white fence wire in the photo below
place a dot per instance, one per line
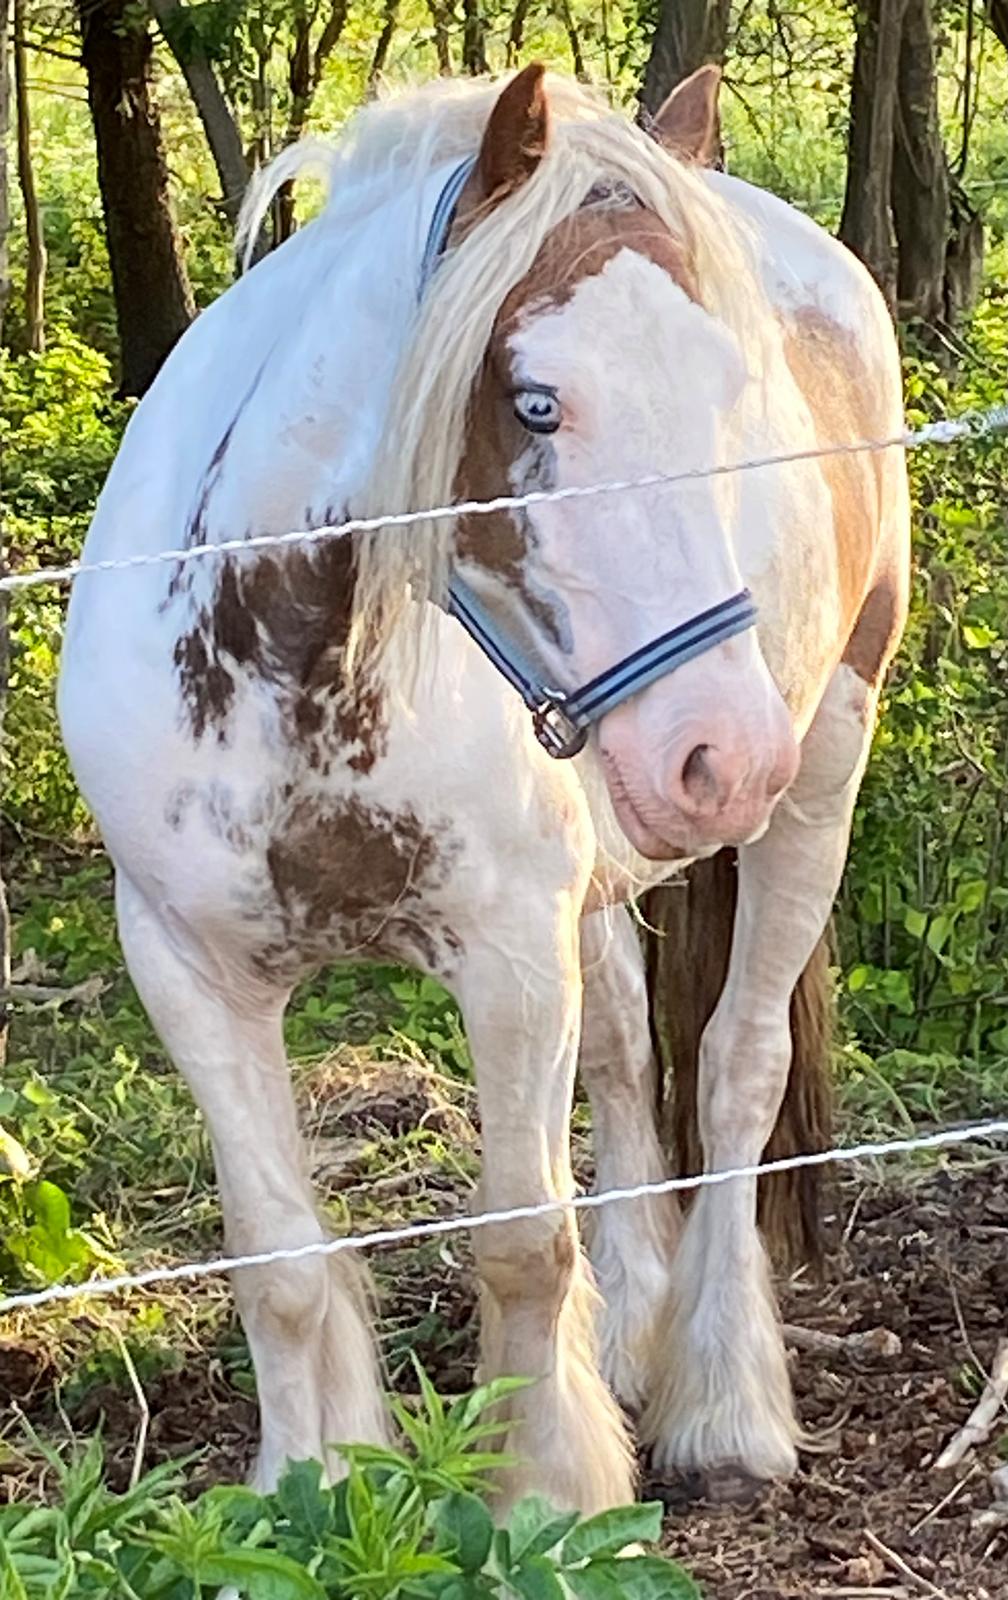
(971, 425)
(944, 1138)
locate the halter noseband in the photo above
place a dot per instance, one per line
(563, 718)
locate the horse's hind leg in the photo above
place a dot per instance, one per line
(306, 1321)
(632, 1242)
(521, 997)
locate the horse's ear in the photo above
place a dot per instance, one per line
(688, 121)
(516, 135)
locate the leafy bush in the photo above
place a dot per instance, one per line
(924, 914)
(410, 1524)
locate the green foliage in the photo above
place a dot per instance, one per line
(924, 912)
(59, 431)
(409, 1524)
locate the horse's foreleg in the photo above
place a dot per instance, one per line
(306, 1321)
(725, 1398)
(632, 1243)
(522, 1002)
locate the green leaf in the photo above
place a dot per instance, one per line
(466, 1527)
(938, 933)
(915, 922)
(536, 1579)
(260, 1575)
(303, 1501)
(611, 1531)
(535, 1527)
(51, 1208)
(633, 1578)
(977, 636)
(857, 979)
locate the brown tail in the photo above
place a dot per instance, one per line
(687, 948)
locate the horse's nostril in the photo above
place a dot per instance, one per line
(698, 780)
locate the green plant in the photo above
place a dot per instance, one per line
(409, 1524)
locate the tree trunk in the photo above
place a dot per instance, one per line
(5, 19)
(440, 15)
(153, 301)
(384, 43)
(866, 224)
(35, 269)
(304, 76)
(516, 32)
(920, 180)
(219, 124)
(997, 16)
(688, 34)
(474, 56)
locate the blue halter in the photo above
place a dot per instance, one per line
(563, 718)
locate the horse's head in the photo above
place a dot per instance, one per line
(604, 364)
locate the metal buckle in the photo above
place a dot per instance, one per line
(556, 731)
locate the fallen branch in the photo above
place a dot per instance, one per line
(896, 1564)
(48, 997)
(871, 1342)
(983, 1416)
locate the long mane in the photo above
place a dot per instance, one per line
(396, 143)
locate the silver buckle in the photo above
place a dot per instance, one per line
(556, 731)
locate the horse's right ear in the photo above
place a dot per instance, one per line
(516, 135)
(688, 122)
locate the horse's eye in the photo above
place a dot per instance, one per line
(538, 410)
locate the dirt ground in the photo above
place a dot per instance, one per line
(923, 1256)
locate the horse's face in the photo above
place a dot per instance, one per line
(604, 365)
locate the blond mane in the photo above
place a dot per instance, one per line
(397, 142)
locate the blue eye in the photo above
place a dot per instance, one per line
(538, 410)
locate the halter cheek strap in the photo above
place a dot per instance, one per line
(563, 718)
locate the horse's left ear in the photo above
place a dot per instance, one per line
(516, 135)
(688, 121)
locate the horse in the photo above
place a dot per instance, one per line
(468, 742)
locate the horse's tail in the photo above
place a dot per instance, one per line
(688, 941)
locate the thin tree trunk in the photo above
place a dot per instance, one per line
(153, 301)
(577, 55)
(442, 42)
(997, 17)
(866, 224)
(305, 75)
(35, 268)
(474, 56)
(384, 42)
(299, 77)
(516, 32)
(5, 20)
(920, 182)
(688, 34)
(219, 123)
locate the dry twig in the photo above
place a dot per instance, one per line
(983, 1416)
(870, 1342)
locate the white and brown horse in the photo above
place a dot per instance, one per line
(298, 756)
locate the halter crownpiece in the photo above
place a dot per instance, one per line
(563, 718)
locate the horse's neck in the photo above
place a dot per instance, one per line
(267, 415)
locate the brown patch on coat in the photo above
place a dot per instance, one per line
(363, 872)
(877, 630)
(578, 248)
(837, 386)
(285, 618)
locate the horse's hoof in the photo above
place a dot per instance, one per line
(730, 1485)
